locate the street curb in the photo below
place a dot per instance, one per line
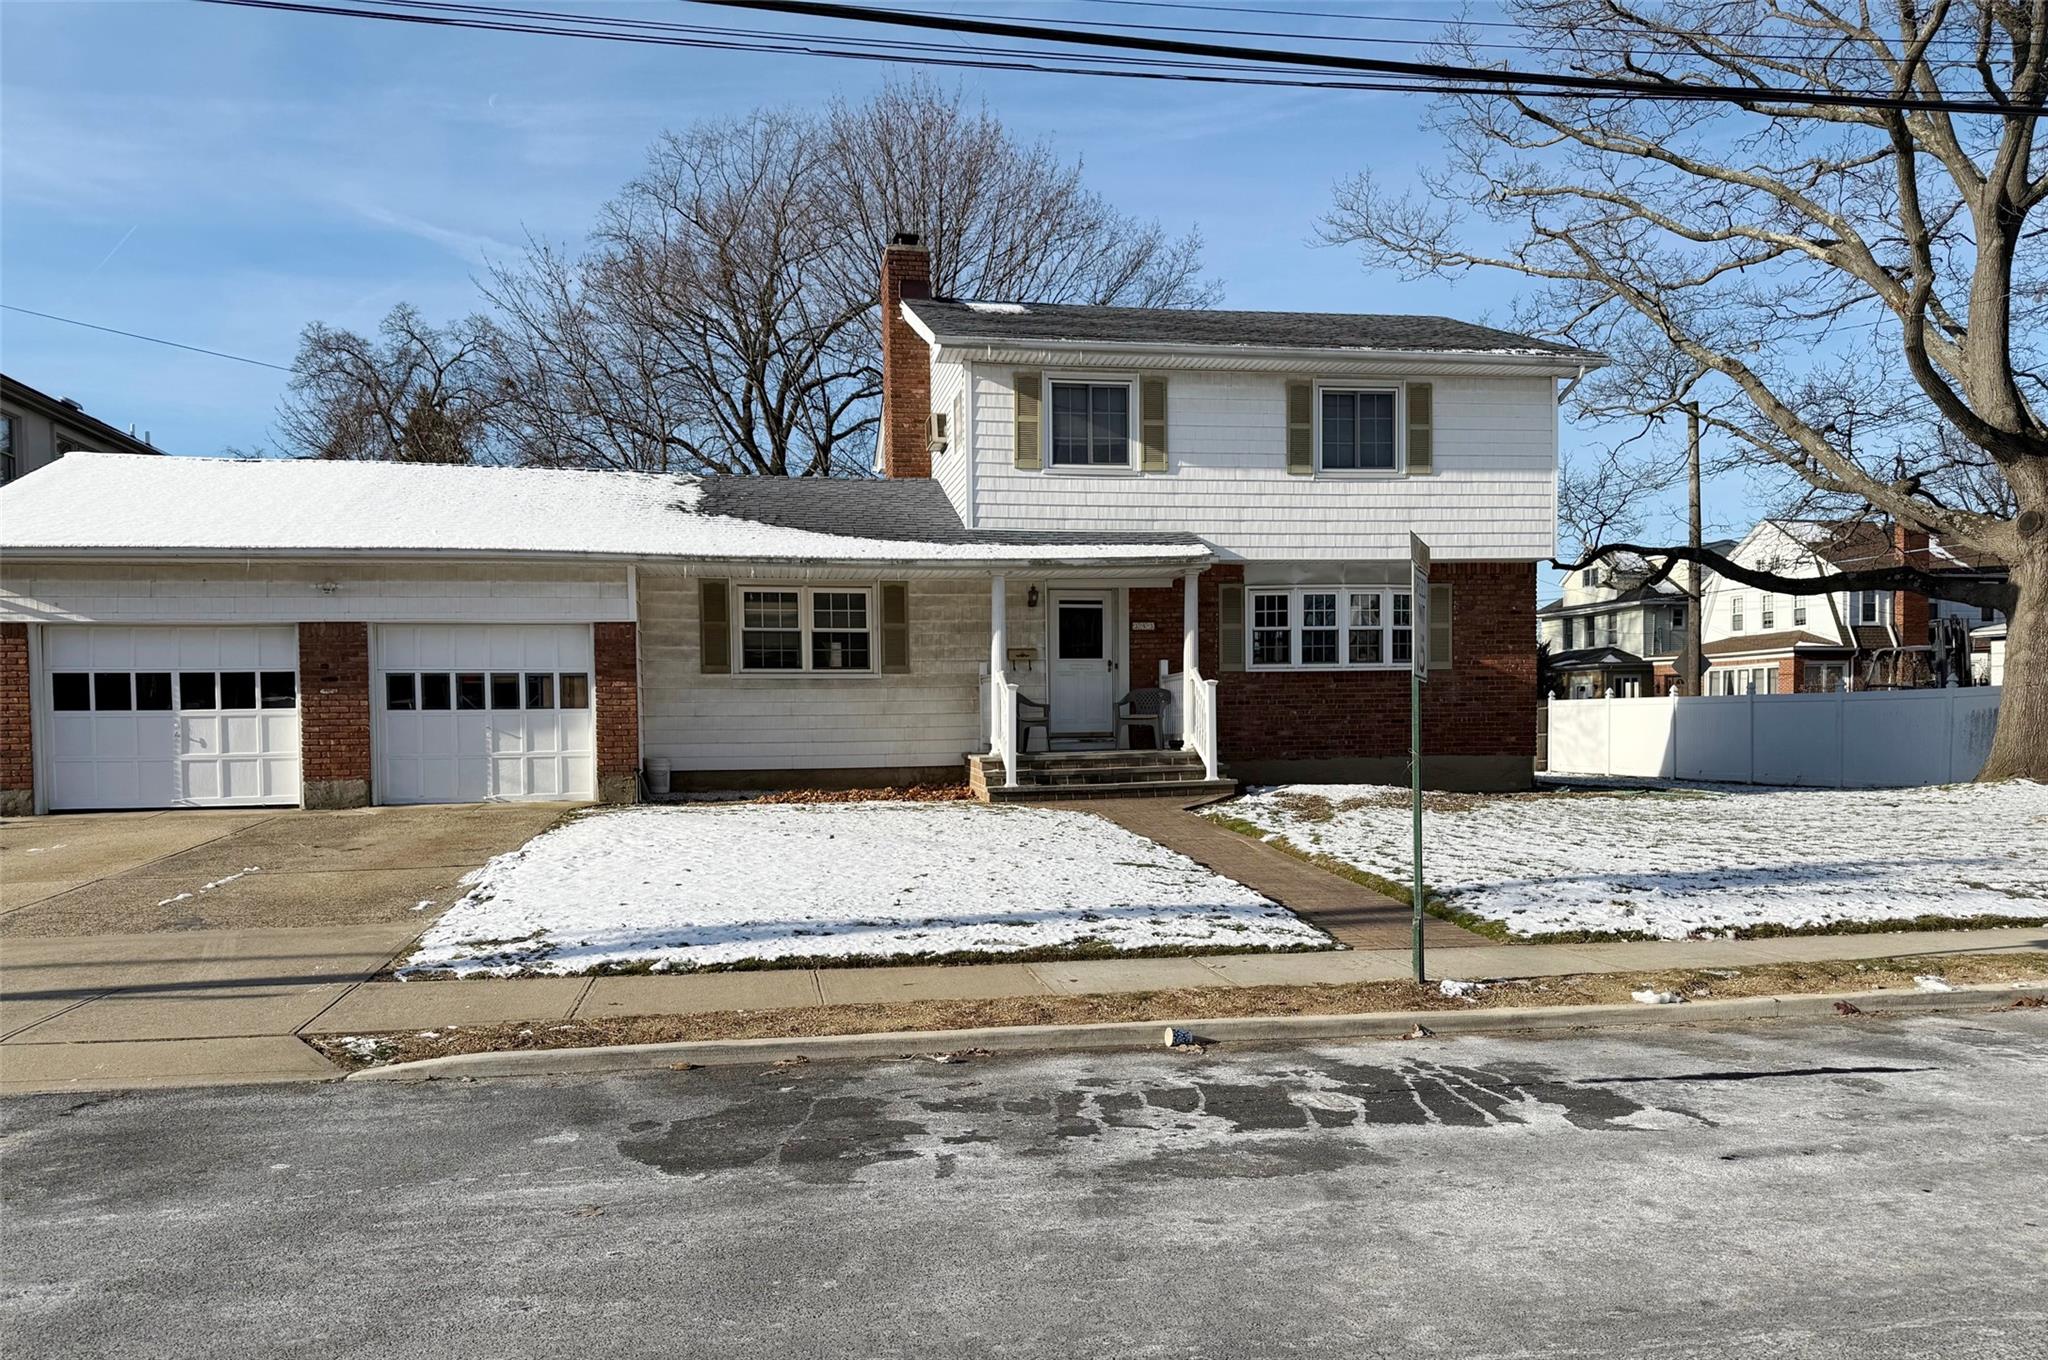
(1149, 1033)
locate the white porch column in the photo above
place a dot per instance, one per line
(998, 654)
(1190, 653)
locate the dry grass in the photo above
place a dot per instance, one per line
(1205, 1003)
(910, 793)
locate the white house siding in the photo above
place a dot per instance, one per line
(926, 719)
(1490, 498)
(1768, 547)
(257, 592)
(949, 469)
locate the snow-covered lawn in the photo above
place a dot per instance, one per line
(1676, 862)
(692, 887)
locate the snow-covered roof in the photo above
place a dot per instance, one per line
(123, 504)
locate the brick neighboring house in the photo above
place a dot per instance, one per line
(1076, 502)
(1758, 641)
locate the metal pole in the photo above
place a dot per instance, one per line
(1695, 625)
(1415, 787)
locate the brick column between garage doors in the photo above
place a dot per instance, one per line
(334, 714)
(17, 751)
(617, 654)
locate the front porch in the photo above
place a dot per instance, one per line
(1080, 700)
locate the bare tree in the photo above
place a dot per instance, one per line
(1862, 289)
(723, 316)
(413, 394)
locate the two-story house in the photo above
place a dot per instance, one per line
(37, 429)
(1611, 631)
(1076, 503)
(1763, 642)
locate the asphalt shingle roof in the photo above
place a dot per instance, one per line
(913, 510)
(952, 319)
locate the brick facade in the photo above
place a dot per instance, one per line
(906, 363)
(617, 696)
(17, 746)
(334, 714)
(1478, 716)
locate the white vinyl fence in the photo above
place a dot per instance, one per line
(1872, 739)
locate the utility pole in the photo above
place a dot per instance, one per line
(1689, 654)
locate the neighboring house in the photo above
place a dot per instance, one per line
(1076, 502)
(37, 428)
(1610, 631)
(1762, 642)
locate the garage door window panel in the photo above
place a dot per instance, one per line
(575, 690)
(196, 691)
(400, 693)
(153, 691)
(111, 692)
(280, 690)
(437, 692)
(540, 691)
(71, 692)
(237, 690)
(469, 692)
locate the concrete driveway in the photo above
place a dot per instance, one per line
(138, 948)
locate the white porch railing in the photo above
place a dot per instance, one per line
(1198, 720)
(1000, 704)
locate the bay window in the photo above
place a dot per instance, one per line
(802, 628)
(1331, 628)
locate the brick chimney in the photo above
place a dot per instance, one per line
(906, 361)
(1910, 613)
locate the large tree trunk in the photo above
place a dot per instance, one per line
(2020, 750)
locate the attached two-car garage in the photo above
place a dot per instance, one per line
(200, 716)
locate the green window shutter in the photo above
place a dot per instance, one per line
(1152, 422)
(1030, 389)
(895, 627)
(714, 627)
(1301, 429)
(1230, 628)
(1421, 428)
(1440, 626)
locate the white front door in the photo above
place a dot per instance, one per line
(471, 712)
(171, 717)
(1083, 664)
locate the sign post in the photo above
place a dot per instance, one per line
(1418, 653)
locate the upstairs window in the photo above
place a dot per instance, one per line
(1358, 433)
(1869, 610)
(1798, 611)
(1735, 613)
(1768, 612)
(1091, 425)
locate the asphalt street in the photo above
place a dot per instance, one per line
(1862, 1188)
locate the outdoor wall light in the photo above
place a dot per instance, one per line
(1031, 598)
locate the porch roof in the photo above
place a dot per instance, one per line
(113, 506)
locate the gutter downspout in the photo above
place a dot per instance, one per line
(1576, 380)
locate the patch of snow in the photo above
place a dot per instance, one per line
(205, 888)
(422, 906)
(1928, 982)
(360, 1046)
(1001, 308)
(45, 849)
(1652, 997)
(689, 886)
(113, 500)
(1676, 863)
(1457, 990)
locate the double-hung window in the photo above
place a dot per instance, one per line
(1735, 612)
(1091, 425)
(1331, 628)
(1798, 611)
(1868, 608)
(1768, 611)
(1360, 430)
(801, 628)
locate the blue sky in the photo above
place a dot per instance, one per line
(222, 176)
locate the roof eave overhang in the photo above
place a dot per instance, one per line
(1064, 558)
(1262, 359)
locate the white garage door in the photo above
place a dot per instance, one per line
(171, 717)
(468, 712)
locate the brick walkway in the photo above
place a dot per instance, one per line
(1354, 915)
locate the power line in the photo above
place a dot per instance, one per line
(1558, 84)
(762, 41)
(1348, 16)
(152, 339)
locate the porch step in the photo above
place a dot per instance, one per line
(1094, 774)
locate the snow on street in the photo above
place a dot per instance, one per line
(1675, 862)
(689, 887)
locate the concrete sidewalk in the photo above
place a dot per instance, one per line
(204, 1007)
